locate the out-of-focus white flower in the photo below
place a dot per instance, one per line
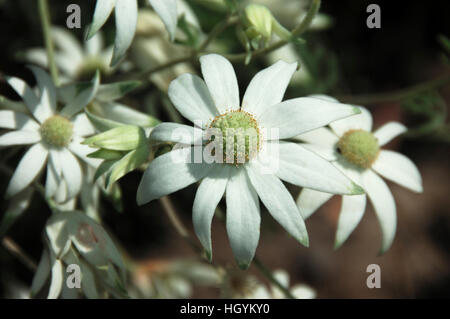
(172, 279)
(77, 62)
(126, 12)
(55, 136)
(73, 238)
(352, 148)
(247, 172)
(151, 48)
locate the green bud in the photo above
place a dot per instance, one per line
(122, 138)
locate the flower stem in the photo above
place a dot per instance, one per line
(218, 28)
(268, 274)
(18, 252)
(44, 14)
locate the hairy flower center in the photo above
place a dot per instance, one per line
(57, 131)
(237, 134)
(359, 147)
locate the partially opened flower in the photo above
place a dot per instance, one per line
(247, 169)
(76, 61)
(55, 136)
(356, 151)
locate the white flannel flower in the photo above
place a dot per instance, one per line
(126, 11)
(352, 148)
(55, 136)
(217, 106)
(76, 61)
(72, 238)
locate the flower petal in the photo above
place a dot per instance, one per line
(83, 98)
(30, 99)
(171, 172)
(29, 167)
(53, 178)
(362, 121)
(82, 126)
(41, 274)
(192, 99)
(310, 200)
(57, 281)
(126, 19)
(68, 45)
(177, 133)
(167, 11)
(399, 169)
(47, 89)
(320, 136)
(71, 171)
(94, 45)
(304, 168)
(82, 150)
(221, 81)
(389, 131)
(243, 217)
(103, 9)
(352, 210)
(267, 87)
(278, 202)
(384, 204)
(300, 115)
(19, 138)
(208, 196)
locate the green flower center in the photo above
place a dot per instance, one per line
(359, 147)
(57, 131)
(90, 65)
(240, 136)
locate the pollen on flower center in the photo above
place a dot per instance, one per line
(239, 136)
(57, 131)
(359, 147)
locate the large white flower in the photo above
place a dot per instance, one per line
(216, 105)
(352, 148)
(76, 61)
(55, 136)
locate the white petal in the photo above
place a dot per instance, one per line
(57, 280)
(362, 121)
(37, 56)
(243, 217)
(82, 150)
(267, 87)
(326, 152)
(384, 204)
(321, 136)
(192, 99)
(278, 202)
(29, 167)
(41, 274)
(94, 45)
(352, 210)
(300, 115)
(389, 131)
(121, 113)
(82, 126)
(221, 81)
(30, 99)
(310, 200)
(18, 121)
(68, 44)
(171, 172)
(208, 196)
(304, 168)
(71, 171)
(47, 89)
(303, 292)
(103, 9)
(53, 177)
(177, 133)
(19, 138)
(126, 19)
(399, 169)
(83, 98)
(167, 11)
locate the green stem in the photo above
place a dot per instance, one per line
(268, 274)
(44, 14)
(219, 28)
(11, 246)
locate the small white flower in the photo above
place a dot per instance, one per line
(216, 104)
(76, 62)
(55, 136)
(352, 148)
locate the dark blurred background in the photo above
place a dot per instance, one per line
(404, 52)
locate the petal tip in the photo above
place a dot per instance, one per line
(357, 190)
